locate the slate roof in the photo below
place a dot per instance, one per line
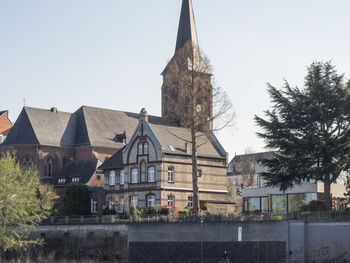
(3, 112)
(83, 169)
(164, 137)
(88, 126)
(114, 162)
(168, 135)
(187, 26)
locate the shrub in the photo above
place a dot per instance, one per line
(314, 205)
(186, 212)
(277, 218)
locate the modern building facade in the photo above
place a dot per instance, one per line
(255, 196)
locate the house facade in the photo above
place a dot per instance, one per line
(255, 196)
(155, 168)
(5, 125)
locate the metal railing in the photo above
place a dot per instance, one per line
(116, 219)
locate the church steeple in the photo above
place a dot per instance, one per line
(187, 77)
(187, 26)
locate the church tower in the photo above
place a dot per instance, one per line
(187, 91)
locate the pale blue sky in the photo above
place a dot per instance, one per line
(110, 53)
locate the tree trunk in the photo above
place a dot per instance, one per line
(327, 195)
(194, 174)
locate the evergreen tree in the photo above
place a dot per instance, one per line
(309, 129)
(77, 200)
(24, 203)
(347, 194)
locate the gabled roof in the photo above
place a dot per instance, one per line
(114, 162)
(172, 141)
(84, 169)
(88, 126)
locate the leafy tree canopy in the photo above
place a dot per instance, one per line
(309, 129)
(77, 200)
(24, 203)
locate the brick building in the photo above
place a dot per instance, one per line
(69, 147)
(155, 168)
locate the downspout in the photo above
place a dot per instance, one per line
(162, 179)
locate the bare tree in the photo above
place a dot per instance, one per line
(192, 102)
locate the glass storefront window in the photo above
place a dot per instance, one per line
(254, 204)
(310, 196)
(279, 204)
(265, 204)
(295, 201)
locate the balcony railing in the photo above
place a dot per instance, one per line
(123, 219)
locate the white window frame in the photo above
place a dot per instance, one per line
(171, 200)
(111, 179)
(121, 178)
(61, 180)
(190, 201)
(140, 149)
(171, 174)
(93, 206)
(151, 201)
(134, 175)
(151, 174)
(134, 201)
(145, 148)
(75, 179)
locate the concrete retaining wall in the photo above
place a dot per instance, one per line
(275, 241)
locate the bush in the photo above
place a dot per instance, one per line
(277, 218)
(314, 205)
(134, 211)
(186, 212)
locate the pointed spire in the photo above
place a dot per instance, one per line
(187, 26)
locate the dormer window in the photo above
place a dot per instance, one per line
(61, 180)
(145, 148)
(75, 179)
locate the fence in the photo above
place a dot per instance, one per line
(116, 219)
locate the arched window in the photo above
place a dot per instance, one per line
(140, 148)
(27, 163)
(112, 178)
(145, 148)
(48, 167)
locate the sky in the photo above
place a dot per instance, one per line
(110, 53)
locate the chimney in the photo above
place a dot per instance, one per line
(53, 109)
(143, 116)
